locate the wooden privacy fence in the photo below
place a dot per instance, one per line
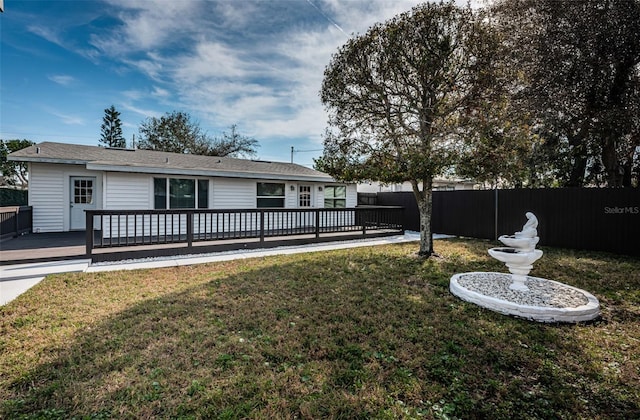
(146, 233)
(15, 221)
(600, 219)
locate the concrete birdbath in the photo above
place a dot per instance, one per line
(520, 253)
(520, 294)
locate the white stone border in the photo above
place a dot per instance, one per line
(587, 312)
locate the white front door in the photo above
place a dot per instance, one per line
(82, 194)
(306, 220)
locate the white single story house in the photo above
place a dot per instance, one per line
(439, 184)
(66, 179)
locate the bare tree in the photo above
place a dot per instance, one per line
(233, 144)
(176, 132)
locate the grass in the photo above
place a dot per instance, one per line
(362, 333)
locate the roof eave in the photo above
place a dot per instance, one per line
(205, 172)
(45, 160)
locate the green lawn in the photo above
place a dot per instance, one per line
(361, 333)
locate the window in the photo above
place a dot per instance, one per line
(159, 193)
(304, 196)
(335, 196)
(270, 195)
(203, 193)
(83, 191)
(182, 193)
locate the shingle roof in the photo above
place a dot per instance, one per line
(148, 161)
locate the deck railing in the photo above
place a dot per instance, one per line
(15, 220)
(206, 230)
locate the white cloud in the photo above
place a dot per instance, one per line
(65, 118)
(151, 66)
(238, 62)
(141, 111)
(47, 33)
(133, 94)
(62, 79)
(147, 24)
(211, 61)
(235, 13)
(160, 93)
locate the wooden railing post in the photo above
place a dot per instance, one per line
(190, 215)
(262, 226)
(356, 221)
(89, 232)
(17, 218)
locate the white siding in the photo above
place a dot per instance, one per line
(242, 193)
(133, 191)
(124, 191)
(49, 194)
(352, 195)
(320, 197)
(291, 197)
(46, 196)
(233, 193)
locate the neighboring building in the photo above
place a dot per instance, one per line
(439, 184)
(66, 179)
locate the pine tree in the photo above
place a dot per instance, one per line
(112, 129)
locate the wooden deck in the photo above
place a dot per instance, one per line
(114, 235)
(44, 247)
(41, 247)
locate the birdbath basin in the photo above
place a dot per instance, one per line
(518, 262)
(515, 256)
(514, 241)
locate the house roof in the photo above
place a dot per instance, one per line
(149, 161)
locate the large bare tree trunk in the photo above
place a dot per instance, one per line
(611, 164)
(579, 164)
(425, 205)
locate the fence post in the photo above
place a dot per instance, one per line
(495, 222)
(89, 232)
(262, 226)
(363, 220)
(317, 223)
(190, 215)
(17, 219)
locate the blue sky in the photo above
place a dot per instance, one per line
(257, 64)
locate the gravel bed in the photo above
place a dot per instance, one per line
(542, 293)
(408, 236)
